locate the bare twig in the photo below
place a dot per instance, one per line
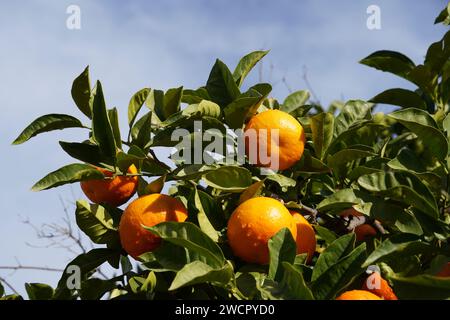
(286, 84)
(21, 267)
(3, 280)
(308, 84)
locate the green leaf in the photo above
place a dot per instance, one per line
(95, 289)
(221, 86)
(195, 96)
(393, 214)
(402, 186)
(421, 287)
(229, 178)
(340, 275)
(293, 283)
(352, 112)
(102, 131)
(172, 100)
(81, 92)
(189, 236)
(68, 174)
(294, 101)
(389, 61)
(2, 290)
(96, 223)
(325, 234)
(86, 152)
(141, 131)
(333, 253)
(340, 200)
(322, 128)
(424, 126)
(199, 272)
(246, 105)
(86, 262)
(136, 103)
(400, 97)
(400, 245)
(47, 123)
(206, 213)
(338, 162)
(113, 116)
(39, 291)
(444, 16)
(282, 248)
(246, 64)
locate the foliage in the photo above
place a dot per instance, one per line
(394, 168)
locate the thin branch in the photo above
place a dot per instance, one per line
(308, 85)
(21, 267)
(3, 280)
(286, 84)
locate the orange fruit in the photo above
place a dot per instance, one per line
(148, 210)
(363, 231)
(263, 127)
(253, 223)
(445, 272)
(384, 290)
(115, 191)
(358, 295)
(306, 237)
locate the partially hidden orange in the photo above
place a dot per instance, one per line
(306, 237)
(358, 295)
(149, 211)
(274, 139)
(253, 223)
(379, 286)
(113, 191)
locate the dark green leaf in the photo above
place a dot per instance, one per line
(221, 86)
(39, 291)
(94, 288)
(190, 236)
(67, 174)
(282, 248)
(102, 131)
(96, 223)
(322, 128)
(86, 152)
(47, 123)
(229, 178)
(333, 253)
(339, 275)
(136, 103)
(81, 92)
(400, 245)
(400, 97)
(294, 101)
(402, 186)
(293, 283)
(199, 272)
(389, 61)
(114, 120)
(353, 111)
(246, 64)
(86, 263)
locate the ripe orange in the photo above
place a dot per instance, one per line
(291, 142)
(358, 295)
(253, 223)
(363, 231)
(445, 272)
(383, 291)
(115, 191)
(148, 210)
(306, 237)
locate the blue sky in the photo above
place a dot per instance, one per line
(162, 44)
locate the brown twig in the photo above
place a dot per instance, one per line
(21, 267)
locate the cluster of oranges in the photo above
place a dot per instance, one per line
(252, 223)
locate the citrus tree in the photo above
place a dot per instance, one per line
(356, 207)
